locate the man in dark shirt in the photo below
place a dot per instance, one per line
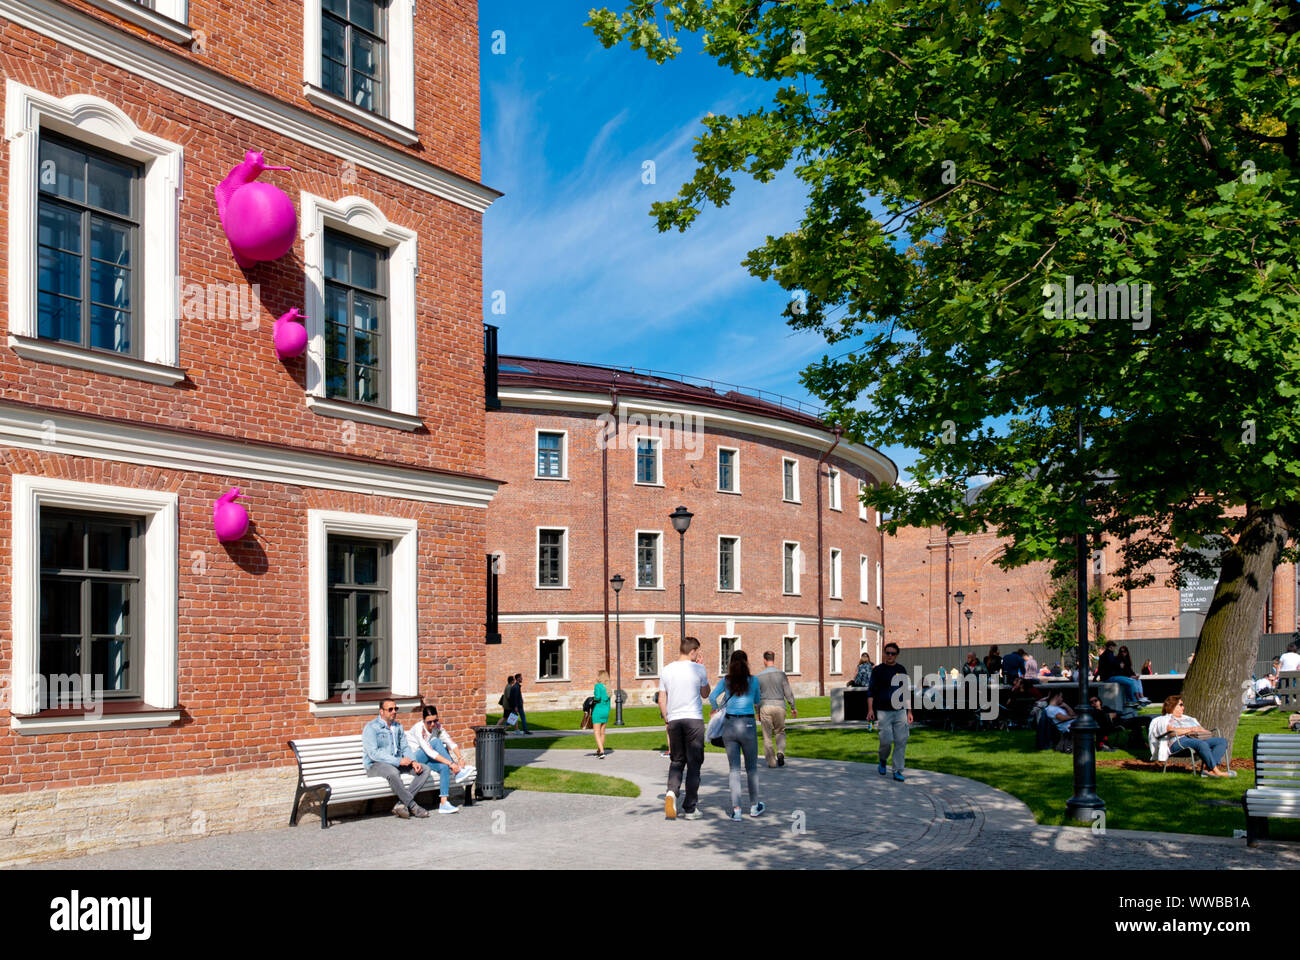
(889, 700)
(1109, 671)
(517, 702)
(1013, 665)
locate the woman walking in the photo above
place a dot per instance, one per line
(739, 734)
(600, 712)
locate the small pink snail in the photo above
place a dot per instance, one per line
(289, 336)
(259, 218)
(229, 519)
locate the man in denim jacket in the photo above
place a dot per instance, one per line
(387, 753)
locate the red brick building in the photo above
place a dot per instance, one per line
(595, 459)
(139, 383)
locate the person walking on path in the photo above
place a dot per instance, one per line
(683, 684)
(773, 694)
(889, 698)
(739, 735)
(517, 700)
(600, 712)
(507, 698)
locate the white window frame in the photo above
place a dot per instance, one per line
(717, 580)
(862, 507)
(564, 661)
(837, 656)
(167, 18)
(880, 588)
(795, 484)
(794, 565)
(402, 533)
(722, 664)
(97, 123)
(735, 469)
(537, 559)
(636, 654)
(159, 628)
(795, 664)
(360, 218)
(864, 578)
(564, 453)
(658, 444)
(659, 562)
(833, 485)
(837, 574)
(399, 123)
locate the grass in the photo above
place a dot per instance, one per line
(640, 716)
(1136, 799)
(545, 780)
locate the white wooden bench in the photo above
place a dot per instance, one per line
(333, 769)
(1277, 784)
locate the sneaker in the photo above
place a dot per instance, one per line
(447, 807)
(601, 755)
(466, 773)
(400, 811)
(418, 811)
(898, 776)
(780, 759)
(757, 809)
(735, 815)
(670, 805)
(666, 755)
(1105, 746)
(882, 769)
(693, 815)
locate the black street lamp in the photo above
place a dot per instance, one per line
(959, 597)
(970, 642)
(681, 518)
(616, 581)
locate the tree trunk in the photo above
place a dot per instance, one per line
(1229, 642)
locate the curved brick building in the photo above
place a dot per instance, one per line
(595, 459)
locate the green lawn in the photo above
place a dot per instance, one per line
(544, 780)
(1136, 799)
(639, 716)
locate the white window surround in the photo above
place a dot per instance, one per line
(794, 563)
(864, 579)
(99, 123)
(794, 484)
(735, 562)
(659, 651)
(735, 469)
(862, 507)
(837, 656)
(564, 661)
(168, 18)
(837, 574)
(795, 665)
(361, 218)
(564, 453)
(399, 124)
(658, 444)
(159, 630)
(880, 588)
(833, 483)
(659, 560)
(403, 597)
(564, 560)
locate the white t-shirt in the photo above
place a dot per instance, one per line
(680, 682)
(1289, 661)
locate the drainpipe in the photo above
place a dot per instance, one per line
(604, 506)
(837, 431)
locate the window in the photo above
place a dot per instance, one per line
(649, 569)
(647, 460)
(552, 558)
(835, 574)
(167, 18)
(647, 656)
(90, 592)
(550, 455)
(790, 654)
(836, 656)
(790, 480)
(864, 579)
(728, 563)
(790, 582)
(880, 588)
(726, 646)
(728, 478)
(358, 627)
(862, 507)
(550, 659)
(833, 483)
(355, 323)
(353, 52)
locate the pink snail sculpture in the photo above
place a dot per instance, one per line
(259, 218)
(229, 519)
(290, 337)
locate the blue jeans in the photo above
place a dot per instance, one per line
(1211, 751)
(1131, 685)
(443, 770)
(740, 738)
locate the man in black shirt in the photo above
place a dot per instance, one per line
(889, 700)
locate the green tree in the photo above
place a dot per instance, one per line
(1059, 628)
(959, 158)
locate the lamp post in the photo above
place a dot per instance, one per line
(959, 597)
(970, 642)
(616, 581)
(681, 518)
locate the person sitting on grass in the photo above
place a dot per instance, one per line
(1059, 713)
(1173, 730)
(1107, 722)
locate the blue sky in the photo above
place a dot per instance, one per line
(567, 128)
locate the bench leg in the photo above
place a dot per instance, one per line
(293, 814)
(1256, 830)
(325, 793)
(469, 795)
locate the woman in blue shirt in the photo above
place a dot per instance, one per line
(739, 734)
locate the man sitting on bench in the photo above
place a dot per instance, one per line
(386, 754)
(434, 747)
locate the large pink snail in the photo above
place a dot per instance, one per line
(229, 519)
(289, 336)
(259, 218)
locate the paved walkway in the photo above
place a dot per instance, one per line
(821, 814)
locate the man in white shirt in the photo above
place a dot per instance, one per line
(1289, 660)
(682, 686)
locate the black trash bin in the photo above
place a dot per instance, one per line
(490, 759)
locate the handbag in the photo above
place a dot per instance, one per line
(713, 732)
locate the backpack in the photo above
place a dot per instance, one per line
(588, 705)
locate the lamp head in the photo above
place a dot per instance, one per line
(959, 597)
(681, 518)
(616, 581)
(969, 613)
